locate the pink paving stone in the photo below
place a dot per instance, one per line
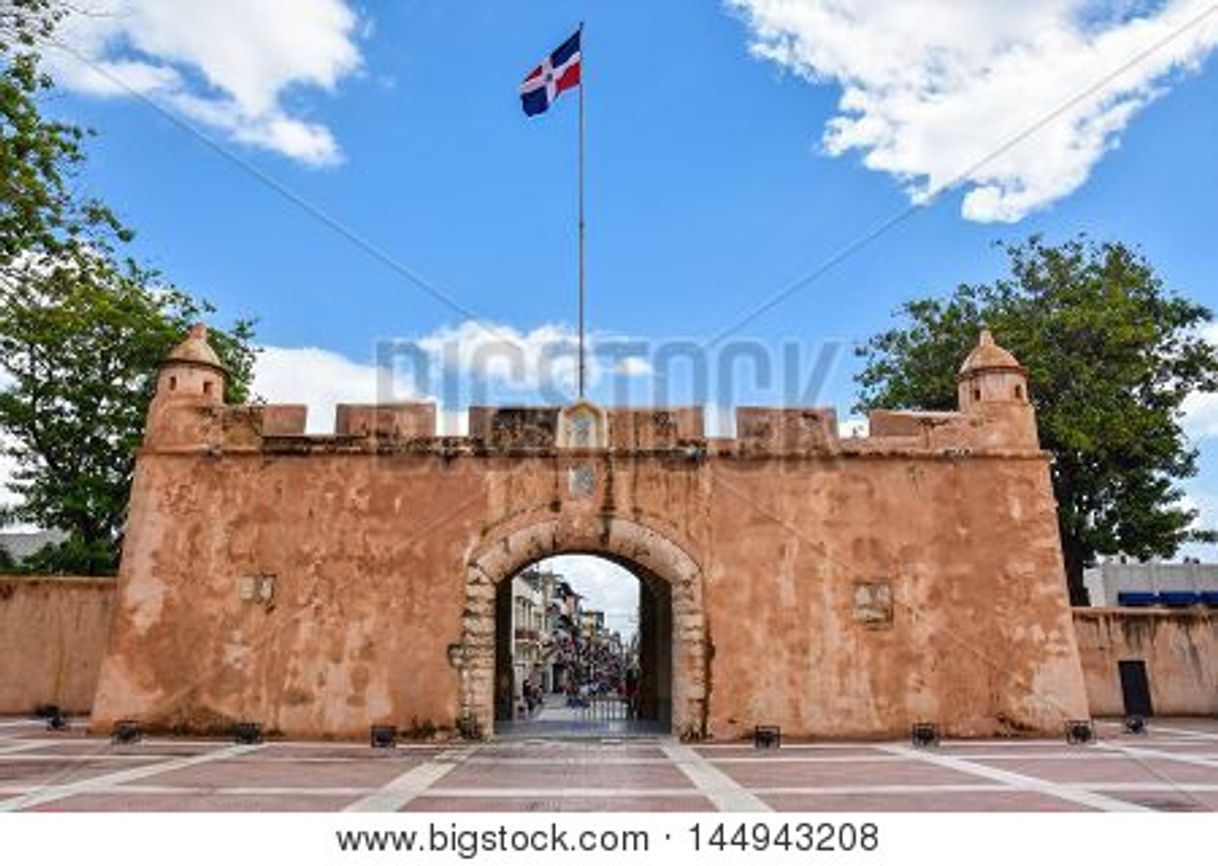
(118, 801)
(49, 739)
(815, 775)
(1046, 755)
(1152, 736)
(524, 766)
(1203, 749)
(52, 772)
(533, 752)
(1122, 769)
(548, 776)
(345, 753)
(148, 749)
(1197, 724)
(809, 752)
(263, 774)
(575, 804)
(1015, 747)
(929, 801)
(1172, 801)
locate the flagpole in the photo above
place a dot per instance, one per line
(582, 87)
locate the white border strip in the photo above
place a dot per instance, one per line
(726, 793)
(51, 793)
(630, 793)
(1020, 782)
(1183, 757)
(22, 746)
(412, 783)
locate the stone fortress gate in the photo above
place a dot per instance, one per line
(833, 586)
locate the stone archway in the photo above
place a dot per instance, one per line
(627, 542)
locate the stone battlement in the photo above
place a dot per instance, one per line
(994, 415)
(412, 427)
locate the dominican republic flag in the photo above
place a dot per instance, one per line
(558, 72)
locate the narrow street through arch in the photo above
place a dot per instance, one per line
(583, 648)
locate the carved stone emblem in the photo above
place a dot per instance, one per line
(582, 480)
(873, 603)
(581, 430)
(583, 425)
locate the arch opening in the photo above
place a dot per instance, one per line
(583, 647)
(672, 621)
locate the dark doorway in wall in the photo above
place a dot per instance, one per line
(1135, 688)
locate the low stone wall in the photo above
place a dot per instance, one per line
(1179, 648)
(53, 633)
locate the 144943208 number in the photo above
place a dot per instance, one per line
(803, 836)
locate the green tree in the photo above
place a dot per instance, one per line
(1111, 355)
(82, 329)
(40, 213)
(81, 349)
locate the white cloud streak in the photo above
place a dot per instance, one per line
(234, 65)
(319, 378)
(933, 90)
(506, 362)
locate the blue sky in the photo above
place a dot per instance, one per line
(712, 181)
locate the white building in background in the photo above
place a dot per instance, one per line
(529, 604)
(1116, 584)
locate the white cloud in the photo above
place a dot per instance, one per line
(7, 467)
(522, 361)
(454, 366)
(541, 361)
(932, 89)
(853, 428)
(319, 378)
(1201, 416)
(633, 367)
(1206, 505)
(1201, 410)
(7, 464)
(230, 64)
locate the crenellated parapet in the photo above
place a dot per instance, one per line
(995, 415)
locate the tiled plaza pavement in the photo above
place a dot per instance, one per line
(1173, 767)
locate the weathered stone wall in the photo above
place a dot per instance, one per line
(320, 584)
(53, 633)
(1179, 647)
(805, 559)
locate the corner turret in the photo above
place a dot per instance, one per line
(990, 374)
(192, 371)
(189, 402)
(992, 390)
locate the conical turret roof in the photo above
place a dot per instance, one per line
(195, 350)
(988, 355)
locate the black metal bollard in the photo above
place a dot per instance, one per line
(767, 737)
